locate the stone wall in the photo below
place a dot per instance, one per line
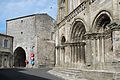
(45, 46)
(100, 51)
(6, 51)
(33, 34)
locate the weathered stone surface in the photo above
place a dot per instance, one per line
(91, 30)
(34, 33)
(6, 51)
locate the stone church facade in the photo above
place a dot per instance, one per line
(33, 40)
(88, 34)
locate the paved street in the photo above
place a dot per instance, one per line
(27, 74)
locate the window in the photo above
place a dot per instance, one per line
(6, 43)
(52, 35)
(21, 32)
(21, 21)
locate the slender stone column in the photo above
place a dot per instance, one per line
(103, 53)
(60, 56)
(99, 41)
(100, 51)
(75, 53)
(98, 48)
(57, 57)
(72, 54)
(78, 53)
(94, 54)
(82, 54)
(70, 62)
(63, 52)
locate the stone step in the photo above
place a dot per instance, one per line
(90, 74)
(74, 73)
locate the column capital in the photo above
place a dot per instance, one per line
(96, 36)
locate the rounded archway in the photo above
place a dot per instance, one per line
(77, 42)
(78, 31)
(101, 21)
(19, 57)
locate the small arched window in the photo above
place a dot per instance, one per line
(63, 40)
(6, 43)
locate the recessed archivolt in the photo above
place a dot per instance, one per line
(101, 20)
(77, 31)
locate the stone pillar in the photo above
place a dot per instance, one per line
(103, 53)
(98, 50)
(78, 53)
(63, 52)
(72, 55)
(75, 53)
(82, 54)
(57, 57)
(94, 54)
(88, 52)
(60, 56)
(99, 46)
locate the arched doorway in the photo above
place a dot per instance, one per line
(77, 42)
(101, 39)
(104, 33)
(19, 57)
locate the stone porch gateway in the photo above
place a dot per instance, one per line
(88, 35)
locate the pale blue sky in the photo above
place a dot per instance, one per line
(15, 8)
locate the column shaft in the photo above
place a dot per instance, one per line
(78, 53)
(103, 53)
(73, 53)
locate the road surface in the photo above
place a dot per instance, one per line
(27, 74)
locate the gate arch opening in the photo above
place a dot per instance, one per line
(19, 57)
(78, 45)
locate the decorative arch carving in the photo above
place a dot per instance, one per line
(102, 19)
(77, 31)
